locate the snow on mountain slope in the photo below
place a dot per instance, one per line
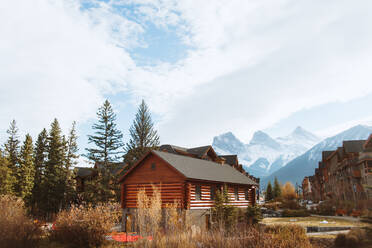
(263, 155)
(305, 164)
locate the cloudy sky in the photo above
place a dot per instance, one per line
(204, 69)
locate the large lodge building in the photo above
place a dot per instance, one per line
(344, 174)
(190, 177)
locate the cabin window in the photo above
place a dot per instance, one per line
(213, 192)
(153, 166)
(246, 193)
(236, 191)
(197, 192)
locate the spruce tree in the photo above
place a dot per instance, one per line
(269, 192)
(7, 178)
(26, 170)
(12, 152)
(107, 138)
(40, 155)
(143, 135)
(55, 173)
(71, 161)
(108, 149)
(277, 189)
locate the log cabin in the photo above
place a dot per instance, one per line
(190, 177)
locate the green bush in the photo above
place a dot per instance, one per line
(295, 213)
(253, 214)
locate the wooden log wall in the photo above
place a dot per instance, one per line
(170, 193)
(206, 202)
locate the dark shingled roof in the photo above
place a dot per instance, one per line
(230, 159)
(198, 151)
(353, 145)
(200, 169)
(84, 172)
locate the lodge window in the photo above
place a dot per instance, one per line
(236, 191)
(213, 192)
(246, 194)
(197, 192)
(153, 166)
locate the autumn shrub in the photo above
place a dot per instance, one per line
(288, 191)
(16, 229)
(290, 204)
(289, 236)
(85, 226)
(295, 213)
(352, 239)
(149, 212)
(326, 208)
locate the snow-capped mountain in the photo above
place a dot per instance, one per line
(263, 154)
(305, 164)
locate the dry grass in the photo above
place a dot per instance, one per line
(312, 221)
(149, 212)
(16, 229)
(84, 226)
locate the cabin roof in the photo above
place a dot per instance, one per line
(200, 169)
(353, 145)
(84, 172)
(197, 151)
(230, 159)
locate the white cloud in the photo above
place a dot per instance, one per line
(251, 63)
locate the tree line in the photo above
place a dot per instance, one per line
(42, 172)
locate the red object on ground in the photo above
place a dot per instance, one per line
(123, 237)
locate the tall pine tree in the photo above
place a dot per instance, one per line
(269, 192)
(108, 140)
(26, 172)
(108, 148)
(40, 156)
(277, 189)
(143, 135)
(54, 183)
(12, 152)
(71, 161)
(7, 179)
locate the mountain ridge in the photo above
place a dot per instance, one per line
(305, 164)
(263, 154)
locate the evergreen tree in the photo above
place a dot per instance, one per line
(108, 148)
(143, 135)
(71, 161)
(55, 173)
(12, 152)
(269, 192)
(107, 138)
(26, 172)
(277, 189)
(7, 179)
(40, 155)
